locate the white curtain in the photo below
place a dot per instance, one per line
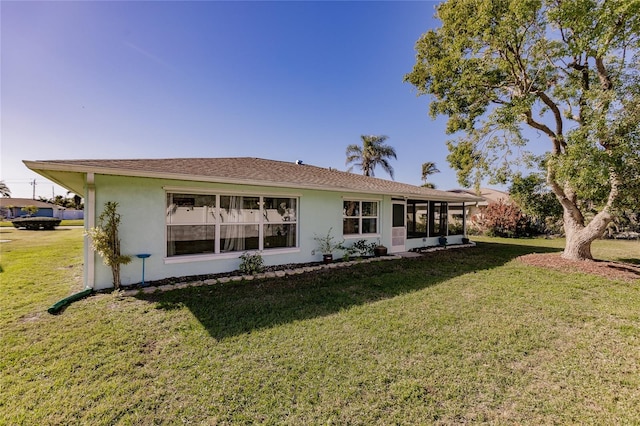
(233, 235)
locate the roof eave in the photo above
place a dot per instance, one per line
(42, 168)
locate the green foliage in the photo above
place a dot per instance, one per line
(327, 244)
(372, 153)
(106, 242)
(568, 72)
(30, 210)
(502, 219)
(533, 197)
(359, 248)
(4, 189)
(251, 263)
(428, 169)
(74, 202)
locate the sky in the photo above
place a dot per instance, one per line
(278, 80)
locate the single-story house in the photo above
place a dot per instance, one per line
(476, 212)
(197, 216)
(12, 208)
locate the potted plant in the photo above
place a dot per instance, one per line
(327, 244)
(379, 249)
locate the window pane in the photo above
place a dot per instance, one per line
(190, 208)
(369, 208)
(283, 235)
(369, 226)
(351, 226)
(190, 239)
(239, 209)
(278, 210)
(351, 208)
(398, 215)
(238, 237)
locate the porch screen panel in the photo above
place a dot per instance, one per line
(437, 219)
(417, 219)
(456, 219)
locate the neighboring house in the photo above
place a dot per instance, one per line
(475, 212)
(197, 216)
(12, 208)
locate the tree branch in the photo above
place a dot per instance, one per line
(558, 144)
(603, 75)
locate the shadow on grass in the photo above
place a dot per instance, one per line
(240, 307)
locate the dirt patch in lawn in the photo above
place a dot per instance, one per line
(612, 270)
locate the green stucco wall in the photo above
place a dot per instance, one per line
(142, 205)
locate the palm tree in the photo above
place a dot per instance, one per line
(373, 152)
(4, 190)
(428, 169)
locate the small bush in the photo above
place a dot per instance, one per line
(251, 263)
(505, 220)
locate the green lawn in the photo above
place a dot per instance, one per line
(461, 336)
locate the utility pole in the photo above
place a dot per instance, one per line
(33, 183)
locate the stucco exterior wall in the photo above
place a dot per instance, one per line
(142, 206)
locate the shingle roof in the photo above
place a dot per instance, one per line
(252, 171)
(489, 195)
(23, 202)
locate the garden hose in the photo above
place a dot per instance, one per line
(56, 307)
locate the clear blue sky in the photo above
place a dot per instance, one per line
(277, 80)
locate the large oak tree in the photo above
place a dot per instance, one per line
(566, 70)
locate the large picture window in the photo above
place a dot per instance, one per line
(359, 217)
(202, 224)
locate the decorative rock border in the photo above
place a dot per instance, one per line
(281, 273)
(274, 274)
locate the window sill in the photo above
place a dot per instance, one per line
(223, 256)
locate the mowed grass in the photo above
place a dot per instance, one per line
(462, 336)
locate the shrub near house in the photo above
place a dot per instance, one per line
(505, 220)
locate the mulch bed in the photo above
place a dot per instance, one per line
(612, 270)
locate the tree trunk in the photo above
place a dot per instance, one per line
(115, 272)
(578, 242)
(580, 237)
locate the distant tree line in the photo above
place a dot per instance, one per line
(72, 202)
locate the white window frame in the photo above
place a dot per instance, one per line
(360, 234)
(217, 225)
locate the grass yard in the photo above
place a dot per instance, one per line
(460, 336)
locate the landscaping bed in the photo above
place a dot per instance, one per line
(603, 268)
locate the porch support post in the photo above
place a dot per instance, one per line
(90, 222)
(464, 220)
